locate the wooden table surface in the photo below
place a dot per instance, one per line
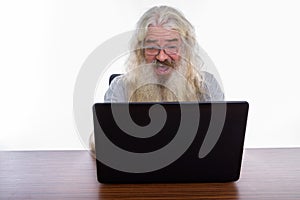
(266, 174)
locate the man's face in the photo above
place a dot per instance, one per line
(163, 46)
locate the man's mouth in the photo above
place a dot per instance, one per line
(163, 68)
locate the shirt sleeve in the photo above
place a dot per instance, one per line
(212, 89)
(116, 91)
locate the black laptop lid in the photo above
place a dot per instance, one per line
(169, 142)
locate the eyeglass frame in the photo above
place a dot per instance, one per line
(161, 48)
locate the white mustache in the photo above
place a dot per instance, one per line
(166, 63)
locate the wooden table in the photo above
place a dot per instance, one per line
(266, 174)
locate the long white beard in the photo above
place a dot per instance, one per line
(144, 85)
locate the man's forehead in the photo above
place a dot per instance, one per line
(159, 33)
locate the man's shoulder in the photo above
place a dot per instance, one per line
(115, 92)
(117, 79)
(207, 75)
(211, 86)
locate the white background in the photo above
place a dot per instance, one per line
(254, 44)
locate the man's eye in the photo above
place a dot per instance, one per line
(152, 48)
(172, 47)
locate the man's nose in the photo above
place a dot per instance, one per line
(162, 56)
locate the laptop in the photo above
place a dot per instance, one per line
(169, 142)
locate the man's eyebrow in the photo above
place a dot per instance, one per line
(172, 40)
(151, 41)
(167, 40)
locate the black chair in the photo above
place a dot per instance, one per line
(112, 77)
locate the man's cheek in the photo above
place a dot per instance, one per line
(176, 58)
(149, 59)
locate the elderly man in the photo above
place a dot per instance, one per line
(164, 63)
